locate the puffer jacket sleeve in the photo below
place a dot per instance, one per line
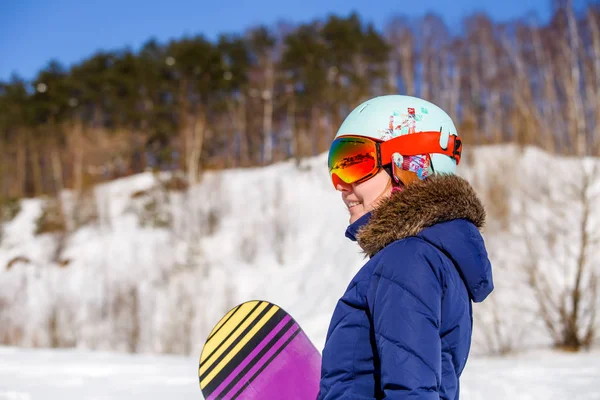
(405, 304)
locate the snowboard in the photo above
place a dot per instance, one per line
(257, 351)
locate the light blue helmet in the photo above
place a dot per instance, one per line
(389, 116)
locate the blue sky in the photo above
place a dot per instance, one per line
(34, 31)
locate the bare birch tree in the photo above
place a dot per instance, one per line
(562, 246)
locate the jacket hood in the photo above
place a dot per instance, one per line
(443, 210)
(462, 243)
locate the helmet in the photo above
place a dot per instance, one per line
(385, 117)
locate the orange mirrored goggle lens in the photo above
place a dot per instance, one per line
(352, 159)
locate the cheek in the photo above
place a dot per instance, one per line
(369, 204)
(367, 195)
(369, 192)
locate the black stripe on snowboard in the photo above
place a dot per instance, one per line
(287, 342)
(260, 355)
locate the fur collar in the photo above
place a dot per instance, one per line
(439, 198)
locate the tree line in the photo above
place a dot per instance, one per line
(280, 92)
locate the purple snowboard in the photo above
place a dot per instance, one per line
(257, 351)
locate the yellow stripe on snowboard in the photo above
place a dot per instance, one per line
(218, 338)
(241, 344)
(222, 321)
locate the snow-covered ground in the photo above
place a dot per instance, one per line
(83, 375)
(28, 374)
(534, 375)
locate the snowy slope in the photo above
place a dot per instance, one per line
(274, 233)
(81, 375)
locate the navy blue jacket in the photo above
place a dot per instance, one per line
(403, 328)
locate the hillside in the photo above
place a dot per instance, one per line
(150, 270)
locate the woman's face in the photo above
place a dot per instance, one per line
(363, 197)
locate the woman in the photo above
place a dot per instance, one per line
(403, 328)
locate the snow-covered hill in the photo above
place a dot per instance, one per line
(152, 271)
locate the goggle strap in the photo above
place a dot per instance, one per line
(419, 143)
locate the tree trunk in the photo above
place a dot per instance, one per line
(425, 65)
(291, 120)
(595, 31)
(315, 127)
(267, 127)
(19, 183)
(194, 146)
(407, 56)
(577, 116)
(548, 112)
(76, 143)
(301, 140)
(244, 153)
(35, 165)
(236, 111)
(492, 124)
(523, 97)
(5, 179)
(455, 91)
(475, 84)
(57, 170)
(267, 123)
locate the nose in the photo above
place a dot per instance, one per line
(343, 187)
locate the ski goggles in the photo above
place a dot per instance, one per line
(355, 158)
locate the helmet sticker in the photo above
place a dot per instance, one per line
(406, 124)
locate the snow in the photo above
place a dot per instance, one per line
(533, 375)
(27, 374)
